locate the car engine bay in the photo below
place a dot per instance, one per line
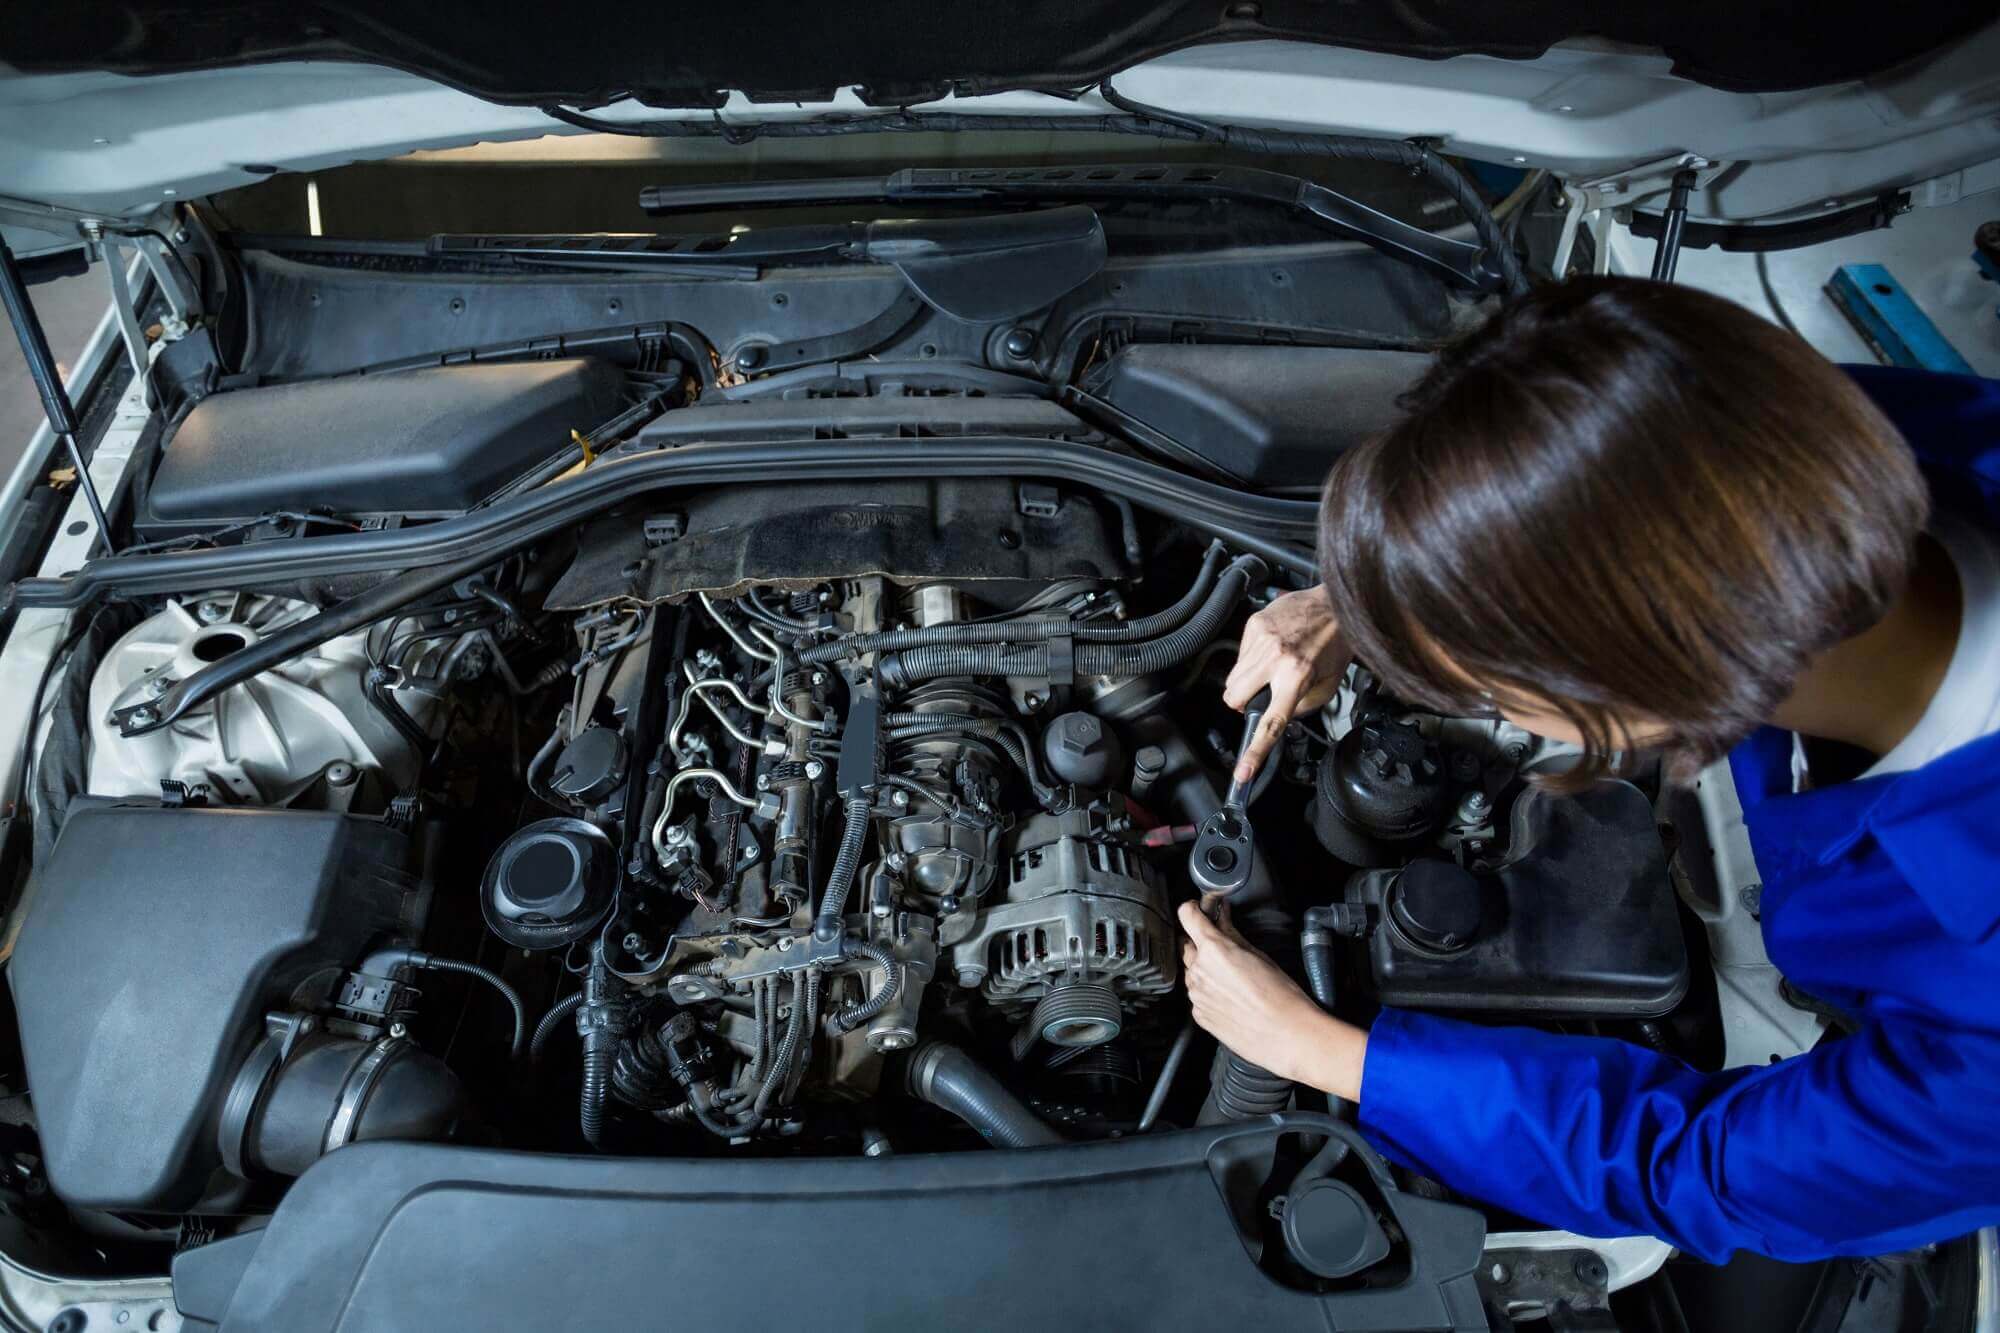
(884, 861)
(768, 737)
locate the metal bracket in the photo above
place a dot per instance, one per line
(1619, 188)
(125, 305)
(1568, 1287)
(183, 302)
(1577, 201)
(53, 219)
(741, 959)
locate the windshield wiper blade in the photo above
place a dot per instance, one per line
(1462, 262)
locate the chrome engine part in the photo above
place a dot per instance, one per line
(308, 719)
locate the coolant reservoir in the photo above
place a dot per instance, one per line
(256, 743)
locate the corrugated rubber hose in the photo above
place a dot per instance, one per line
(1316, 954)
(854, 1015)
(805, 1002)
(845, 863)
(551, 1023)
(600, 1021)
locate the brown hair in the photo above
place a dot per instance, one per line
(1625, 500)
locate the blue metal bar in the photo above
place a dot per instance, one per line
(1884, 313)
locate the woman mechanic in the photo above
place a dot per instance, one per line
(1637, 517)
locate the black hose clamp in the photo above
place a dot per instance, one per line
(1062, 659)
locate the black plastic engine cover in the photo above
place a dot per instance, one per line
(432, 441)
(1272, 417)
(1582, 922)
(908, 530)
(155, 941)
(1141, 1233)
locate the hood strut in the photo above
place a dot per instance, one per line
(48, 381)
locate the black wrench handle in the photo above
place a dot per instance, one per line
(1253, 717)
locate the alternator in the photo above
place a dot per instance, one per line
(1081, 910)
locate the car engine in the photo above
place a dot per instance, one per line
(777, 728)
(802, 858)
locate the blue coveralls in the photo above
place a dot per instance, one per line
(1882, 898)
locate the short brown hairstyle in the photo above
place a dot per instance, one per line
(1622, 499)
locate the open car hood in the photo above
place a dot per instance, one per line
(907, 51)
(113, 107)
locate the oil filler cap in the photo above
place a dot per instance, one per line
(1331, 1231)
(549, 885)
(1435, 905)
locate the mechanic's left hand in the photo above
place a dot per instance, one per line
(1242, 1000)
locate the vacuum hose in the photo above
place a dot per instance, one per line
(551, 1023)
(518, 1046)
(947, 1077)
(1316, 957)
(1316, 954)
(854, 1015)
(845, 863)
(384, 962)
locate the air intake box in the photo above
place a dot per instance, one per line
(1273, 418)
(155, 941)
(426, 442)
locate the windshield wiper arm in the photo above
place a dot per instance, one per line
(738, 253)
(1462, 262)
(980, 267)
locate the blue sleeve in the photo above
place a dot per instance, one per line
(1876, 1142)
(1952, 422)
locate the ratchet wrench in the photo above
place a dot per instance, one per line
(1223, 851)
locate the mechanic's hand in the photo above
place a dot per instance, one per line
(1243, 1001)
(1294, 646)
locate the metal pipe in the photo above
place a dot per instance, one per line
(700, 689)
(1165, 1082)
(825, 724)
(749, 649)
(674, 785)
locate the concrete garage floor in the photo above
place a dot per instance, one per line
(1928, 250)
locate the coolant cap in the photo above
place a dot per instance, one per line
(1437, 905)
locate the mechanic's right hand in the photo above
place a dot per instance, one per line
(1295, 646)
